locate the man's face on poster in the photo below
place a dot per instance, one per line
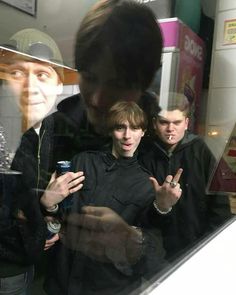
(35, 87)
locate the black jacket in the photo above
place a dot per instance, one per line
(123, 186)
(22, 242)
(62, 135)
(196, 213)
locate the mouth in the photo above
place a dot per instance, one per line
(32, 100)
(127, 145)
(32, 103)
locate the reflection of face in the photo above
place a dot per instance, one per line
(170, 127)
(35, 87)
(100, 88)
(126, 139)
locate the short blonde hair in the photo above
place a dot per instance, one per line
(126, 111)
(176, 101)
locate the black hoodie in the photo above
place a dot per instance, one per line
(196, 213)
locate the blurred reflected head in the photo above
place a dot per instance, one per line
(117, 52)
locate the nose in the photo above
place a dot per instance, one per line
(170, 126)
(127, 133)
(30, 80)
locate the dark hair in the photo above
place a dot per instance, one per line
(126, 111)
(129, 30)
(151, 107)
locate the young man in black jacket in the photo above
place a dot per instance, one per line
(32, 83)
(189, 218)
(110, 254)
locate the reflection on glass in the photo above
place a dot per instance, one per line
(116, 61)
(223, 178)
(32, 79)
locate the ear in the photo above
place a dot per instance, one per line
(186, 123)
(143, 132)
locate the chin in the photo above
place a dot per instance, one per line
(128, 154)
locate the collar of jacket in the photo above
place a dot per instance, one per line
(112, 162)
(188, 139)
(73, 107)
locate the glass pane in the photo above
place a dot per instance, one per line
(117, 141)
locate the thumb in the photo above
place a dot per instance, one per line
(53, 177)
(155, 183)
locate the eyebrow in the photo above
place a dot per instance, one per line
(20, 64)
(120, 125)
(161, 119)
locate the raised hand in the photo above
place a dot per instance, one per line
(167, 194)
(60, 187)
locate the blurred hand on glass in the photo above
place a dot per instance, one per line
(101, 234)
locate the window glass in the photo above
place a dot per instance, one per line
(117, 141)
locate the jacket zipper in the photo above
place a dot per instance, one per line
(39, 160)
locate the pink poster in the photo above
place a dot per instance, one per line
(191, 62)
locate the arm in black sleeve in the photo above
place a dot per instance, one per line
(22, 236)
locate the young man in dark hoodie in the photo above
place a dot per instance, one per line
(33, 76)
(186, 220)
(105, 246)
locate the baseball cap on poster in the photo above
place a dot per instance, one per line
(36, 46)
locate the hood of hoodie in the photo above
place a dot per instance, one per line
(73, 108)
(188, 139)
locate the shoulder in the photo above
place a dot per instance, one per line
(70, 110)
(70, 115)
(70, 102)
(87, 156)
(145, 171)
(148, 156)
(198, 142)
(199, 148)
(193, 140)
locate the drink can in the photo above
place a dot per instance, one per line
(53, 228)
(62, 167)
